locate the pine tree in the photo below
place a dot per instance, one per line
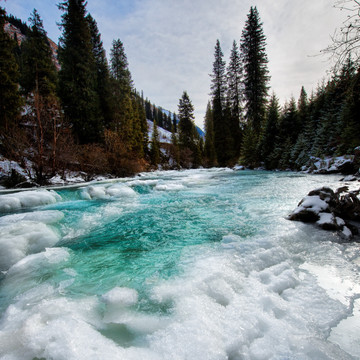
(10, 99)
(256, 77)
(235, 95)
(222, 135)
(78, 76)
(102, 73)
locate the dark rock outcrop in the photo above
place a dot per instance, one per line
(330, 210)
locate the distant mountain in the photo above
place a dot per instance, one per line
(18, 31)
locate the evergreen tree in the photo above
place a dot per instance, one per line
(175, 149)
(222, 135)
(102, 72)
(124, 116)
(209, 137)
(78, 76)
(349, 116)
(155, 146)
(143, 124)
(269, 131)
(39, 74)
(174, 123)
(286, 137)
(120, 69)
(249, 147)
(235, 95)
(256, 77)
(39, 82)
(10, 99)
(186, 122)
(300, 151)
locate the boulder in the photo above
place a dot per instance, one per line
(330, 210)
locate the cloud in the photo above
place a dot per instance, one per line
(170, 43)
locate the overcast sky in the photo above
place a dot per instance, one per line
(170, 43)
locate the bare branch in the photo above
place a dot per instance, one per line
(346, 39)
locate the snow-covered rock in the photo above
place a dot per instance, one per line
(328, 209)
(330, 165)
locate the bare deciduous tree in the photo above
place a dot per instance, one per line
(346, 39)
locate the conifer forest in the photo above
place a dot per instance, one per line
(77, 109)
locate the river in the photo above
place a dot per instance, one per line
(196, 264)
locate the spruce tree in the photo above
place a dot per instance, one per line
(174, 123)
(39, 72)
(120, 69)
(124, 114)
(300, 151)
(235, 95)
(222, 135)
(256, 77)
(175, 149)
(209, 137)
(102, 72)
(78, 75)
(155, 146)
(186, 122)
(39, 82)
(10, 99)
(269, 131)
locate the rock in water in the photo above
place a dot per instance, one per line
(330, 210)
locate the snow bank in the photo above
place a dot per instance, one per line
(27, 199)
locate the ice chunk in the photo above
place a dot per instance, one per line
(120, 191)
(107, 192)
(50, 256)
(26, 199)
(46, 217)
(169, 187)
(22, 238)
(120, 297)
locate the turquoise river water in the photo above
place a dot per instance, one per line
(195, 265)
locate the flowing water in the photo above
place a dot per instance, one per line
(196, 265)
